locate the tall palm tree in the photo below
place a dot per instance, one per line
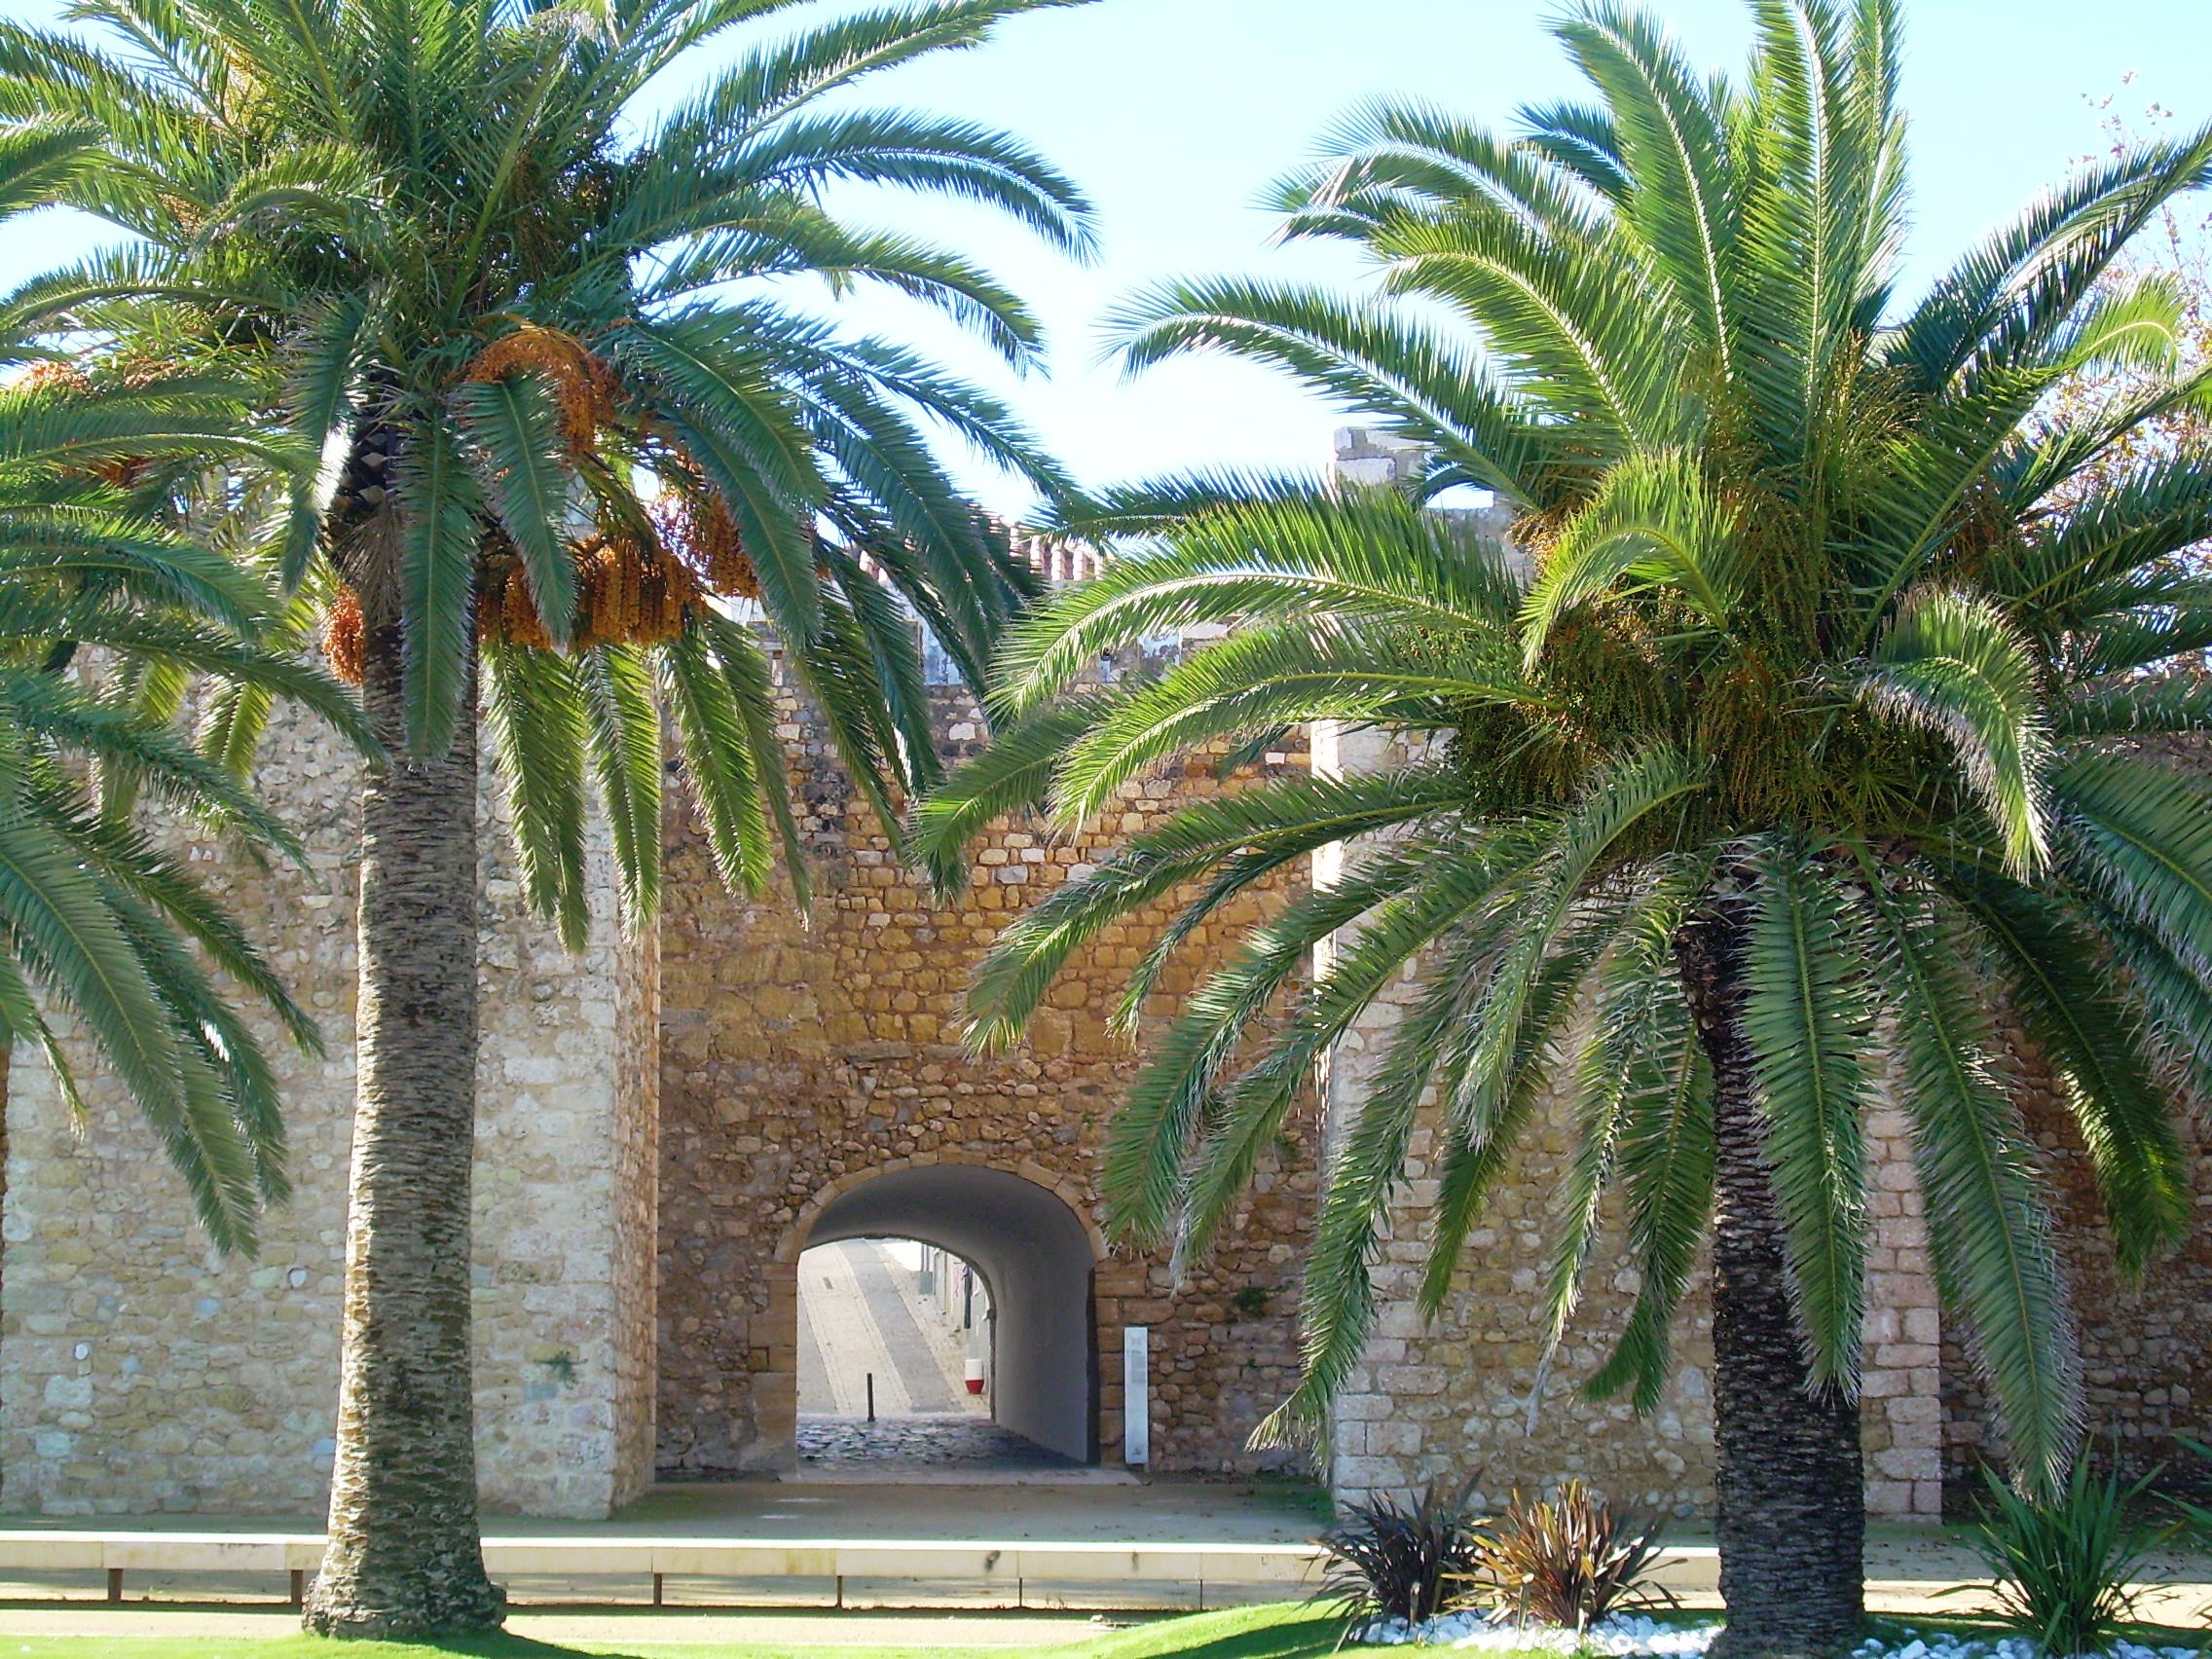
(544, 325)
(1822, 712)
(95, 460)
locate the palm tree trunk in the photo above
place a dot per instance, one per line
(404, 1557)
(1792, 1503)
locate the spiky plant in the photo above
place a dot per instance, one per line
(1567, 1560)
(1404, 1561)
(546, 328)
(2063, 1564)
(1829, 705)
(95, 917)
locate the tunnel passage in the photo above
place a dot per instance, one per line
(1036, 1260)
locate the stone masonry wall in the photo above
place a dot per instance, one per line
(140, 1372)
(802, 1055)
(1467, 1395)
(660, 1120)
(635, 1264)
(1901, 1378)
(2146, 1347)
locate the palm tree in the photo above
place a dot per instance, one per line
(1825, 708)
(94, 914)
(545, 326)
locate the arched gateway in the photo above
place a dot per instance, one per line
(814, 1087)
(1035, 1253)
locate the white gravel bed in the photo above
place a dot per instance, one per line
(1622, 1637)
(1949, 1644)
(1633, 1637)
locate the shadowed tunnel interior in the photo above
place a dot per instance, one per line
(1036, 1258)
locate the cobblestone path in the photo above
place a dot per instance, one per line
(832, 1444)
(857, 1315)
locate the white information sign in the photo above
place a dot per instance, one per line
(1136, 1394)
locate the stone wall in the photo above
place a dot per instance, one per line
(2146, 1347)
(562, 1339)
(1469, 1396)
(802, 1056)
(635, 1255)
(660, 1122)
(138, 1371)
(1902, 1405)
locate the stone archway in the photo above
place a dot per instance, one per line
(1034, 1250)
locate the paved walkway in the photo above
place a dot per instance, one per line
(1163, 1511)
(860, 1315)
(1167, 1511)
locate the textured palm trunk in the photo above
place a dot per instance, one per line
(404, 1557)
(1792, 1506)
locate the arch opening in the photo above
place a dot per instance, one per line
(1032, 1259)
(892, 1328)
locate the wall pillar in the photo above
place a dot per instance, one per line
(1901, 1376)
(636, 1256)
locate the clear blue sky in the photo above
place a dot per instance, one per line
(1174, 113)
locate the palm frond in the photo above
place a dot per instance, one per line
(528, 484)
(1651, 519)
(439, 539)
(623, 734)
(718, 762)
(1810, 1017)
(1987, 1225)
(2124, 1114)
(533, 712)
(1366, 555)
(1954, 665)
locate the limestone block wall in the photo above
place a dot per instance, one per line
(1468, 1395)
(564, 1131)
(2146, 1347)
(802, 1056)
(140, 1372)
(1901, 1380)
